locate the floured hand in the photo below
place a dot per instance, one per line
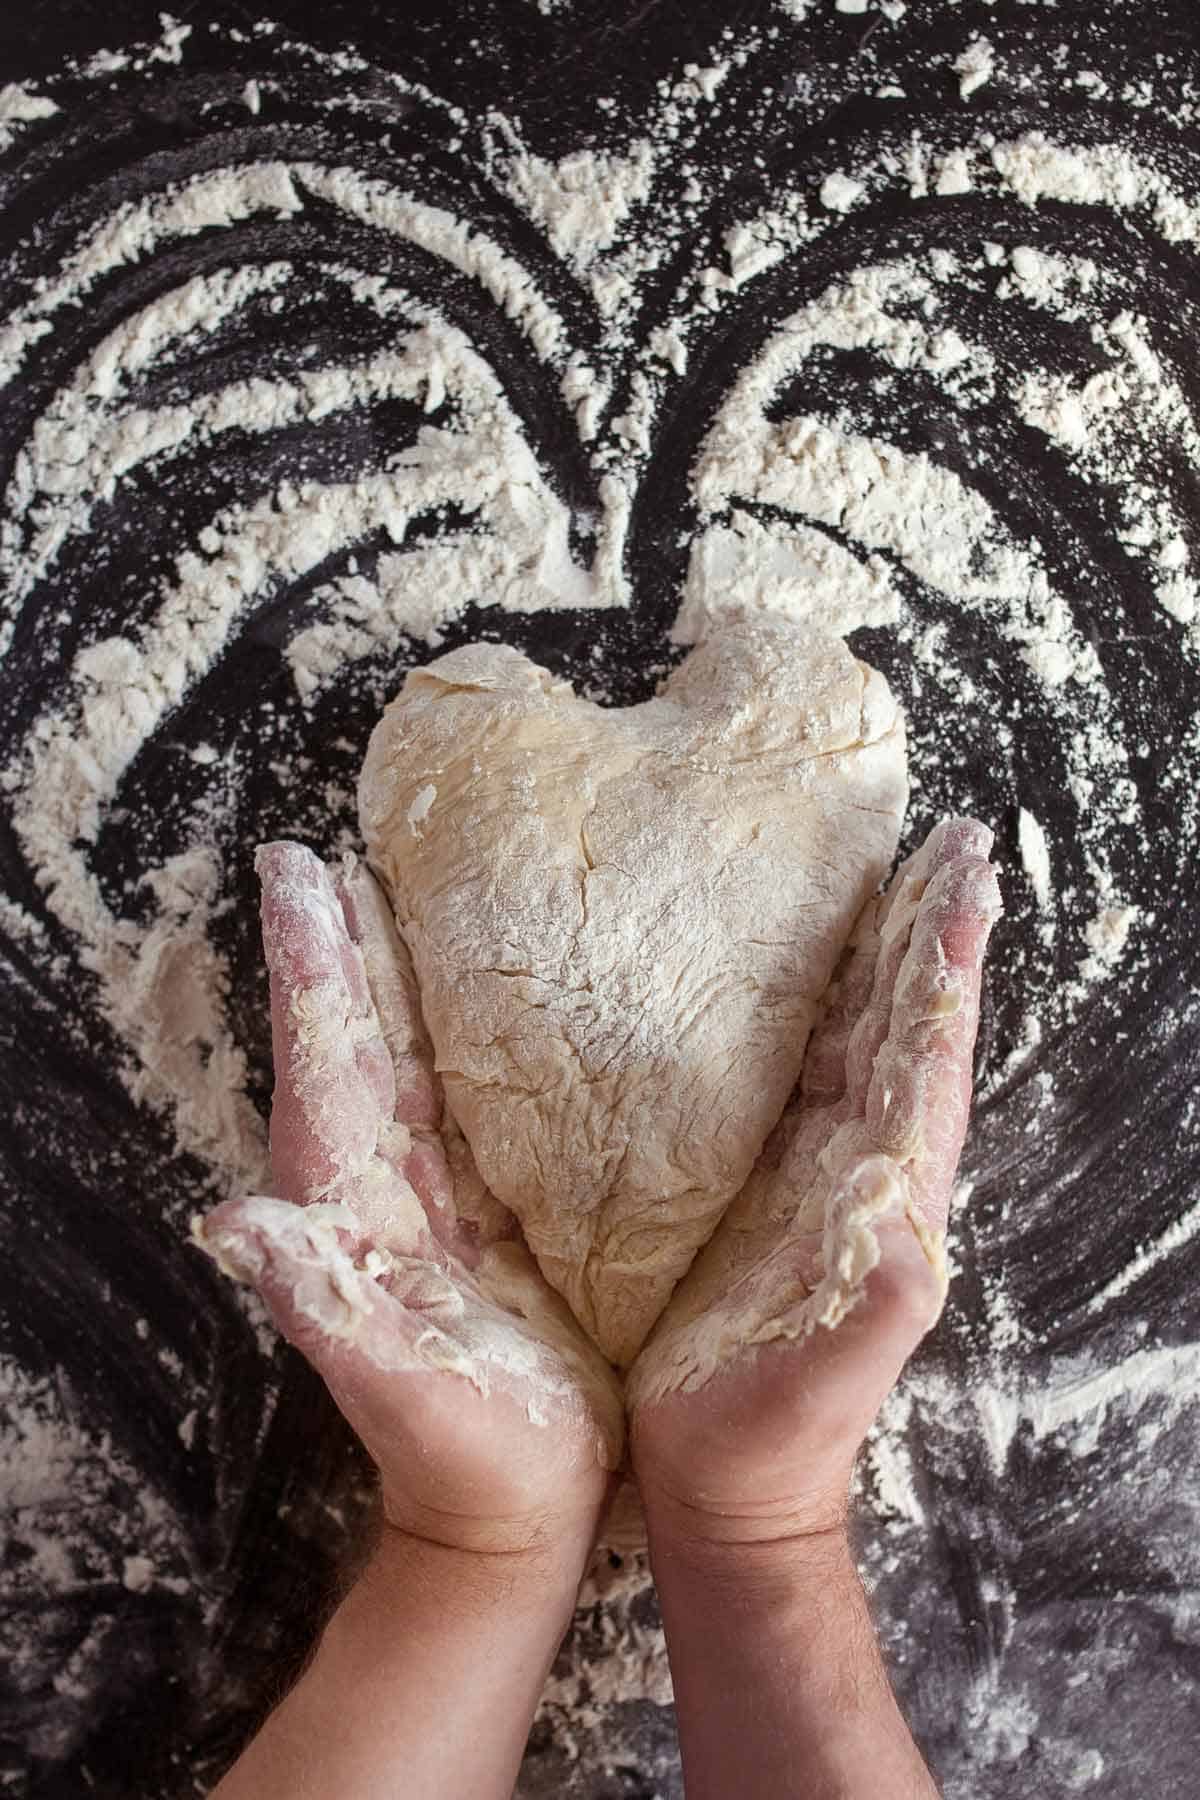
(752, 1397)
(491, 1416)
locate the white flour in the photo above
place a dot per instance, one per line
(19, 107)
(808, 511)
(87, 442)
(1035, 854)
(582, 202)
(55, 1473)
(975, 66)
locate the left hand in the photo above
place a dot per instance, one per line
(494, 1422)
(751, 1399)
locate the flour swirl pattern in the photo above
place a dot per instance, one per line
(314, 360)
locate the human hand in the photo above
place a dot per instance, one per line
(494, 1422)
(751, 1399)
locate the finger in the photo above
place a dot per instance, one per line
(326, 1283)
(415, 1149)
(344, 1124)
(428, 1148)
(381, 1331)
(801, 1373)
(843, 1373)
(334, 1085)
(920, 1091)
(948, 841)
(823, 1081)
(393, 986)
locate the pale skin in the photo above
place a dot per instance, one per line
(426, 1679)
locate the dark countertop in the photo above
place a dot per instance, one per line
(1028, 1520)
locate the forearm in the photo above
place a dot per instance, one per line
(425, 1680)
(779, 1685)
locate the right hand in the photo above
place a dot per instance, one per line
(493, 1420)
(752, 1397)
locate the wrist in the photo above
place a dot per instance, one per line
(426, 1677)
(769, 1563)
(780, 1687)
(485, 1570)
(483, 1594)
(540, 1530)
(734, 1519)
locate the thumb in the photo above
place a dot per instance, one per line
(310, 1265)
(883, 1289)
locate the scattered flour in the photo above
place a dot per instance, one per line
(1113, 426)
(861, 511)
(810, 510)
(1177, 1235)
(1107, 935)
(840, 192)
(55, 1475)
(1035, 854)
(19, 107)
(1036, 168)
(975, 66)
(1071, 1402)
(473, 455)
(630, 1660)
(582, 202)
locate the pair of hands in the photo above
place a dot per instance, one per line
(493, 1433)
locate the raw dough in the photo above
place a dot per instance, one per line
(621, 922)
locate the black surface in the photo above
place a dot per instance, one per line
(1092, 1558)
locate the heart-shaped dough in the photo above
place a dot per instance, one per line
(621, 921)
